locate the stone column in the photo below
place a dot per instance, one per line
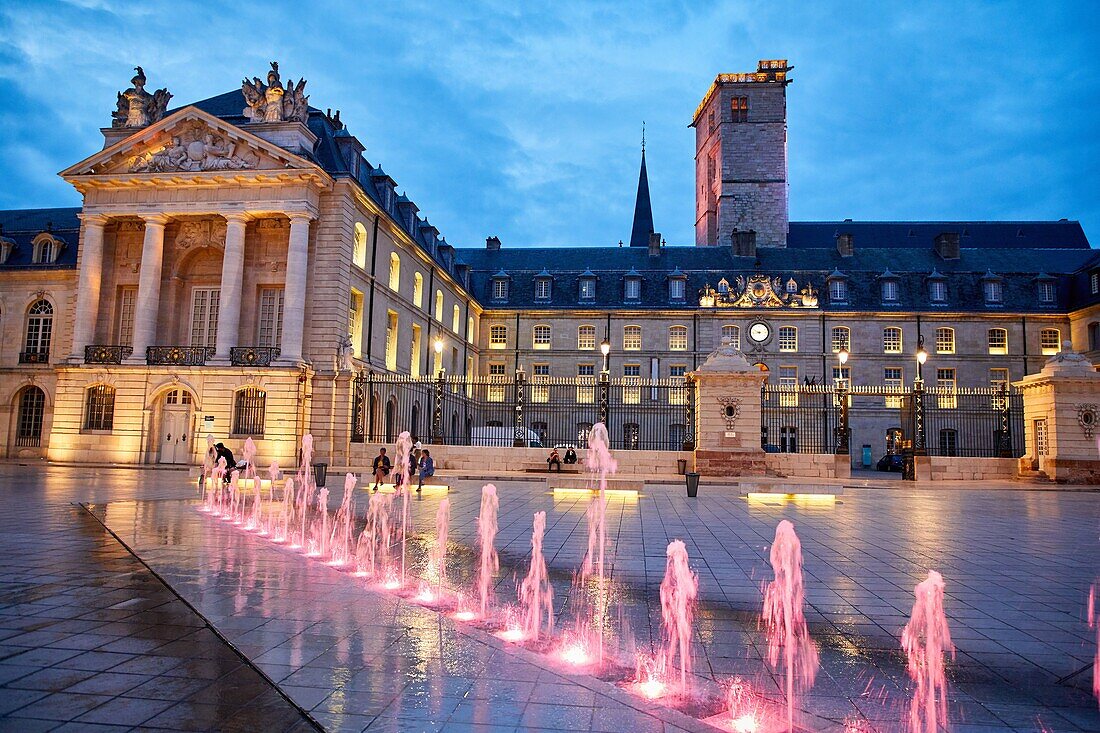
(727, 410)
(1066, 395)
(294, 293)
(88, 284)
(147, 306)
(229, 299)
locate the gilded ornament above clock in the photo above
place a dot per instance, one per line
(758, 291)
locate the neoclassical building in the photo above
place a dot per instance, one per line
(237, 260)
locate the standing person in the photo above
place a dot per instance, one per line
(427, 467)
(381, 468)
(230, 462)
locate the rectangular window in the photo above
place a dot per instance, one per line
(998, 341)
(891, 340)
(949, 442)
(586, 338)
(998, 380)
(249, 411)
(891, 378)
(495, 392)
(541, 337)
(542, 288)
(842, 379)
(355, 322)
(1040, 437)
(788, 338)
(788, 380)
(586, 383)
(732, 335)
(1050, 341)
(1094, 283)
(945, 341)
(498, 336)
(1046, 292)
(588, 288)
(391, 341)
(937, 291)
(842, 339)
(204, 317)
(270, 328)
(500, 289)
(99, 408)
(632, 392)
(127, 297)
(992, 290)
(632, 338)
(633, 288)
(676, 289)
(739, 109)
(945, 384)
(414, 352)
(677, 338)
(838, 291)
(890, 291)
(540, 390)
(677, 395)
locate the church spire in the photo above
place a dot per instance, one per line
(643, 212)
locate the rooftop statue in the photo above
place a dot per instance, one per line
(137, 107)
(271, 102)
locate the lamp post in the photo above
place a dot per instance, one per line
(920, 447)
(437, 411)
(843, 444)
(605, 382)
(438, 346)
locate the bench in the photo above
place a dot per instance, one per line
(544, 468)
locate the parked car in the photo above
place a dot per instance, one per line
(891, 462)
(502, 437)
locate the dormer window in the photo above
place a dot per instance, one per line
(890, 291)
(632, 288)
(543, 282)
(587, 288)
(7, 244)
(46, 249)
(838, 287)
(676, 289)
(937, 288)
(500, 287)
(1047, 292)
(992, 290)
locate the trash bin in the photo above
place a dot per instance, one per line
(866, 456)
(692, 479)
(681, 466)
(320, 473)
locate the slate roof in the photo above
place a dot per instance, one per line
(23, 225)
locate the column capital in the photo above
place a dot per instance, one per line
(237, 216)
(94, 219)
(155, 219)
(300, 216)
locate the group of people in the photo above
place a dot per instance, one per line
(421, 465)
(554, 461)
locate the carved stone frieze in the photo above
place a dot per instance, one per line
(1087, 416)
(196, 147)
(759, 291)
(201, 233)
(731, 409)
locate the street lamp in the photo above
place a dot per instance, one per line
(605, 349)
(920, 445)
(438, 346)
(922, 356)
(843, 446)
(605, 383)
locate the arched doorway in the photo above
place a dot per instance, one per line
(174, 421)
(414, 422)
(391, 420)
(31, 411)
(764, 369)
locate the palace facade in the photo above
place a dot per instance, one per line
(237, 260)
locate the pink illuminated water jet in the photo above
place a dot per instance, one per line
(536, 595)
(784, 618)
(926, 639)
(439, 550)
(678, 592)
(1094, 623)
(600, 463)
(486, 537)
(401, 468)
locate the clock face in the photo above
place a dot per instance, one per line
(758, 332)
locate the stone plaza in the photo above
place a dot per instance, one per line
(127, 608)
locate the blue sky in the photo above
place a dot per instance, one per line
(525, 124)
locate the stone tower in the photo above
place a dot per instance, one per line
(741, 157)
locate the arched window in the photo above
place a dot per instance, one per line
(359, 246)
(998, 341)
(586, 338)
(945, 341)
(891, 340)
(249, 411)
(1050, 341)
(632, 338)
(32, 409)
(842, 339)
(39, 331)
(99, 407)
(456, 318)
(677, 338)
(732, 335)
(46, 249)
(418, 290)
(541, 337)
(1094, 336)
(439, 305)
(395, 272)
(470, 329)
(498, 336)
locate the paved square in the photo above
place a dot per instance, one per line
(350, 657)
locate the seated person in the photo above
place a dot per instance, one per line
(570, 456)
(426, 468)
(381, 468)
(553, 461)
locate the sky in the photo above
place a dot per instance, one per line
(523, 119)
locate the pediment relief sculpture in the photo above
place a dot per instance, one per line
(272, 102)
(201, 233)
(195, 147)
(137, 107)
(759, 291)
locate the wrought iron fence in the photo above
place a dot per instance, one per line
(178, 355)
(982, 422)
(253, 355)
(521, 411)
(106, 353)
(38, 356)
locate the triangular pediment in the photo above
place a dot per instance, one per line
(189, 142)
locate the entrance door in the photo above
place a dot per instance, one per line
(175, 427)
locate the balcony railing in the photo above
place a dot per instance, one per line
(258, 356)
(178, 355)
(34, 357)
(106, 353)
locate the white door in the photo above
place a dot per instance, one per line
(175, 427)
